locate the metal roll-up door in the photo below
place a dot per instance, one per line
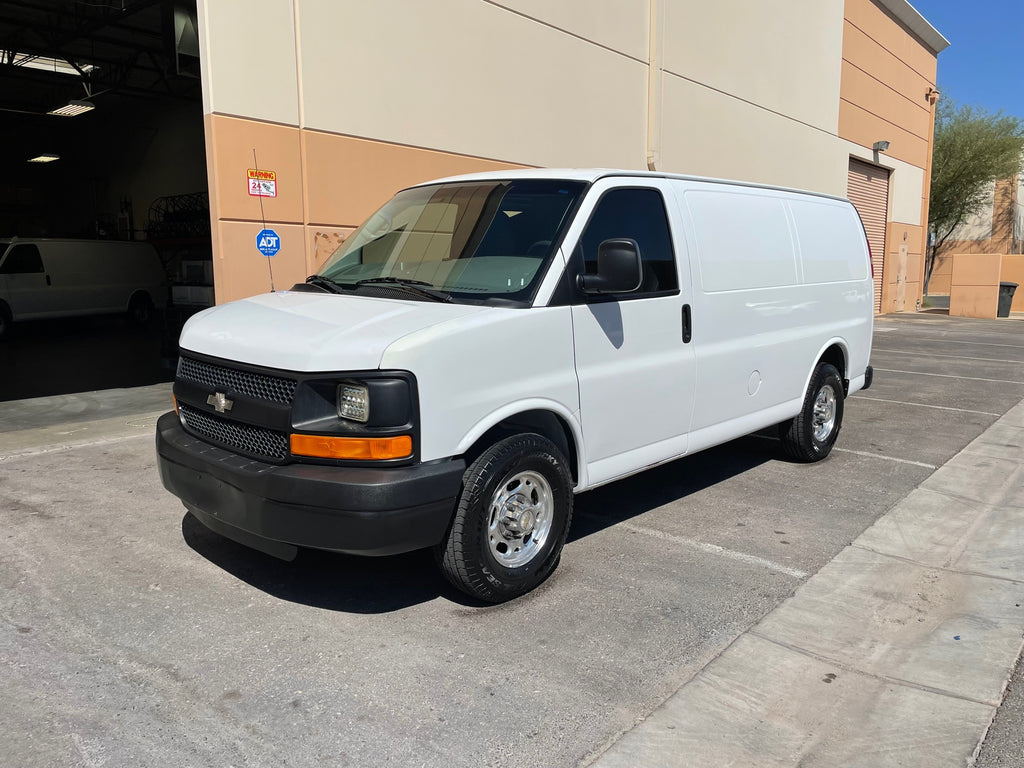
(867, 187)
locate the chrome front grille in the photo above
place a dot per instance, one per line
(273, 389)
(245, 438)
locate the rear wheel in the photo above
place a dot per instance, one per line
(140, 309)
(811, 434)
(511, 521)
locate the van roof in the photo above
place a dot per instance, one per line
(591, 175)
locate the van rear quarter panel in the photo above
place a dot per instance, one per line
(778, 277)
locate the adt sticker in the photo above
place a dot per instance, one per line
(268, 242)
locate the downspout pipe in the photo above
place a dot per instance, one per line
(654, 83)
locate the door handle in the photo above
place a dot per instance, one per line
(687, 324)
(48, 280)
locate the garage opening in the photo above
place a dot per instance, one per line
(868, 190)
(102, 146)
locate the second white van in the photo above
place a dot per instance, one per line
(44, 277)
(485, 347)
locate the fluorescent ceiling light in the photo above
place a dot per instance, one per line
(49, 64)
(46, 158)
(73, 108)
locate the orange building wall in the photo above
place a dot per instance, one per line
(887, 77)
(326, 185)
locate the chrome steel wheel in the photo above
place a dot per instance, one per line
(519, 519)
(824, 419)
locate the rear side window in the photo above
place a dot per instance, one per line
(638, 214)
(22, 259)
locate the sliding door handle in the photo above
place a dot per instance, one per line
(687, 324)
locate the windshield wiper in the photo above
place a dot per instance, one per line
(412, 286)
(325, 282)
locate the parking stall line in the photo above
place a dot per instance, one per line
(950, 376)
(862, 453)
(948, 340)
(714, 549)
(949, 357)
(886, 458)
(924, 405)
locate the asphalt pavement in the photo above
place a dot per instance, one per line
(730, 608)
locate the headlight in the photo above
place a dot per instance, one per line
(353, 402)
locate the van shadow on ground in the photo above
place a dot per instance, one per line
(347, 583)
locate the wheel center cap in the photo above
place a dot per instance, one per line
(519, 517)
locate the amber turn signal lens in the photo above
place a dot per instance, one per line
(364, 448)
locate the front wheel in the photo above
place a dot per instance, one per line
(511, 521)
(812, 433)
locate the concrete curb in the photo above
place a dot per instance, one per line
(896, 653)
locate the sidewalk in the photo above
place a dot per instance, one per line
(896, 653)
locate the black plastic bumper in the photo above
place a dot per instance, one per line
(869, 376)
(366, 511)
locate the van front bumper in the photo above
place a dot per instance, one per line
(365, 511)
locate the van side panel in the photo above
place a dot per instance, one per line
(472, 371)
(761, 314)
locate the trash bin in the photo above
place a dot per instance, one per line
(1005, 298)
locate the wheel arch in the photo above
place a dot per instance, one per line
(545, 418)
(836, 353)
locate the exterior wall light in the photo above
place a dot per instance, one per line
(880, 146)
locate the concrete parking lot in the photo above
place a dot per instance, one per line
(131, 635)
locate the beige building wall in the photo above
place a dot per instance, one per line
(348, 101)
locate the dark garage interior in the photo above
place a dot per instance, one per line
(127, 164)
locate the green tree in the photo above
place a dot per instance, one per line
(973, 148)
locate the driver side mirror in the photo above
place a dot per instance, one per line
(619, 269)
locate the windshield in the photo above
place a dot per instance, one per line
(472, 241)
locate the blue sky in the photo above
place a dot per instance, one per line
(984, 63)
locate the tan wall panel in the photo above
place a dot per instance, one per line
(973, 301)
(889, 33)
(239, 270)
(1013, 272)
(898, 234)
(710, 134)
(975, 284)
(230, 143)
(248, 59)
(942, 275)
(779, 55)
(976, 269)
(348, 179)
(621, 26)
(861, 127)
(878, 98)
(883, 65)
(463, 77)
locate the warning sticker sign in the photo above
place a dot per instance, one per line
(262, 183)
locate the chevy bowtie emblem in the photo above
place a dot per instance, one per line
(220, 402)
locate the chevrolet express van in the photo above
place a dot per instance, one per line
(484, 347)
(43, 277)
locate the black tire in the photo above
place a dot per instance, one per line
(470, 556)
(140, 310)
(811, 434)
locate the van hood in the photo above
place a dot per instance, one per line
(311, 332)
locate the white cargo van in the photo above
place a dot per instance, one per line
(485, 346)
(44, 277)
